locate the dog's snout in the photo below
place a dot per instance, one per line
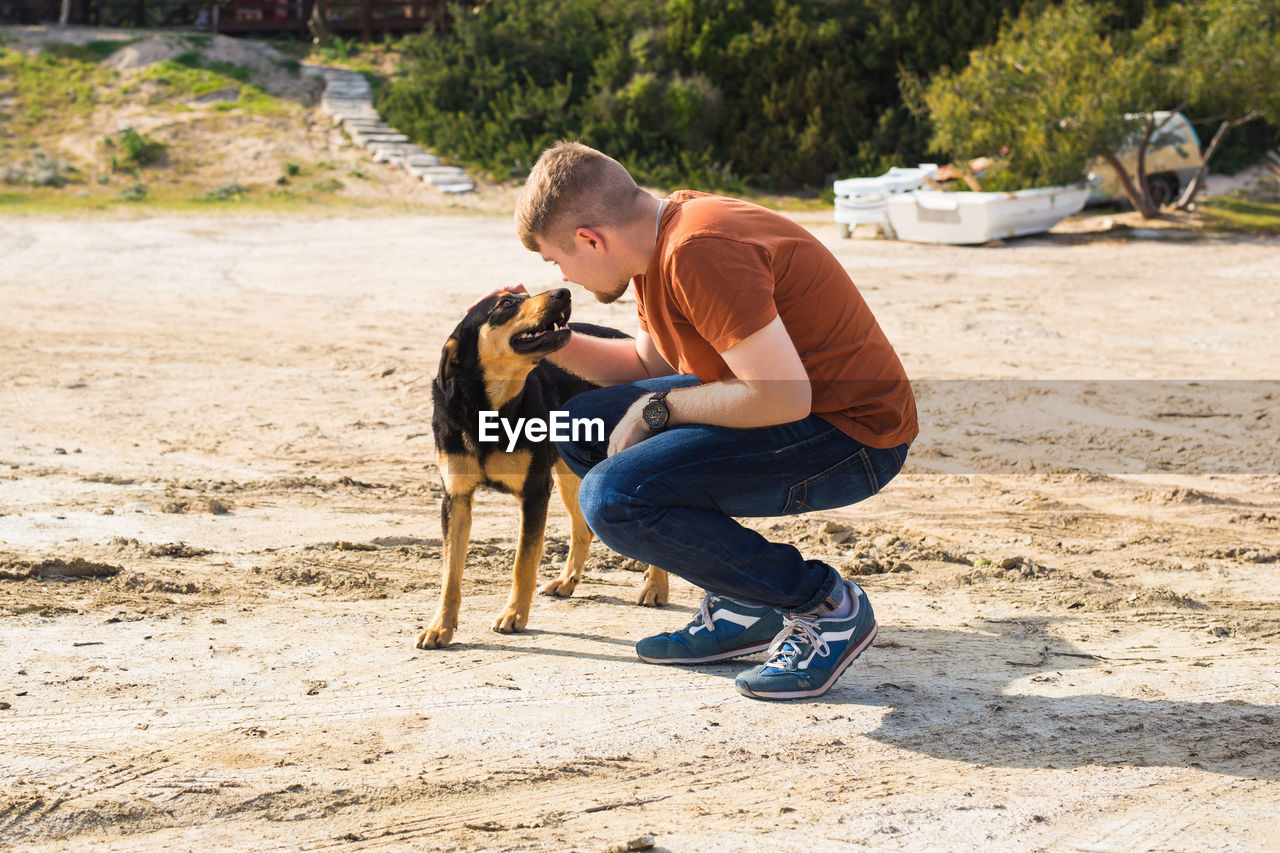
(561, 294)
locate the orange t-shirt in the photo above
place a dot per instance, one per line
(723, 269)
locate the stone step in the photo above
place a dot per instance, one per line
(343, 112)
(348, 99)
(367, 125)
(446, 172)
(392, 135)
(365, 138)
(348, 115)
(422, 161)
(387, 154)
(438, 173)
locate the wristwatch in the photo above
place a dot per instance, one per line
(655, 413)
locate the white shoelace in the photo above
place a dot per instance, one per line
(704, 619)
(796, 629)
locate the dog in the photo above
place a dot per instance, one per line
(495, 362)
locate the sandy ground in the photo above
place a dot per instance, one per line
(219, 537)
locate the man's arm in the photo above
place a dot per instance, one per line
(770, 386)
(611, 361)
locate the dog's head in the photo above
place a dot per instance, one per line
(503, 337)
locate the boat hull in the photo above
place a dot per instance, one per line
(960, 218)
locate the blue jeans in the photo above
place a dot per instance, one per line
(670, 500)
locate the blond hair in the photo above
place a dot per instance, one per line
(573, 186)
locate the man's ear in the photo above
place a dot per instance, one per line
(590, 238)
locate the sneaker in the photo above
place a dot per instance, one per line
(809, 654)
(723, 629)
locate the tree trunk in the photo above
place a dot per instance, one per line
(318, 23)
(1140, 201)
(1194, 185)
(1141, 194)
(64, 15)
(1146, 208)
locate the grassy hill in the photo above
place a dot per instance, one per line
(101, 120)
(131, 122)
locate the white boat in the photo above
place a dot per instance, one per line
(934, 216)
(862, 200)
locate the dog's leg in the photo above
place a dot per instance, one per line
(567, 484)
(455, 519)
(524, 576)
(656, 591)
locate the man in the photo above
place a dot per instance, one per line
(759, 384)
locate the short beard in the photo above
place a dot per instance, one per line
(613, 295)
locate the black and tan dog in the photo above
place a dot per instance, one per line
(493, 362)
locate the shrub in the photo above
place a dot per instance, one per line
(40, 170)
(93, 51)
(134, 150)
(133, 193)
(227, 192)
(326, 185)
(707, 93)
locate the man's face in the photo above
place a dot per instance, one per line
(587, 265)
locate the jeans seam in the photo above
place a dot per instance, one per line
(871, 473)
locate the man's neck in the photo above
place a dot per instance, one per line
(640, 235)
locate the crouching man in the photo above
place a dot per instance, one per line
(758, 384)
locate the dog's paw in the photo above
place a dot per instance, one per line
(510, 621)
(656, 591)
(653, 597)
(435, 638)
(561, 587)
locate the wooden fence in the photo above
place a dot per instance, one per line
(367, 19)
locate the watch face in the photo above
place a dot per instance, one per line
(655, 415)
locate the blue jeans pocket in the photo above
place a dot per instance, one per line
(848, 481)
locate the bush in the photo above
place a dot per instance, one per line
(134, 150)
(40, 170)
(708, 93)
(93, 51)
(133, 193)
(326, 185)
(227, 192)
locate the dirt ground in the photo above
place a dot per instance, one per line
(219, 537)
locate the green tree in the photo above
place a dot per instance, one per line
(1058, 88)
(1054, 90)
(1231, 53)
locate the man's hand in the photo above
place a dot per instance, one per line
(506, 288)
(632, 429)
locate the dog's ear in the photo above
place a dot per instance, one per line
(448, 363)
